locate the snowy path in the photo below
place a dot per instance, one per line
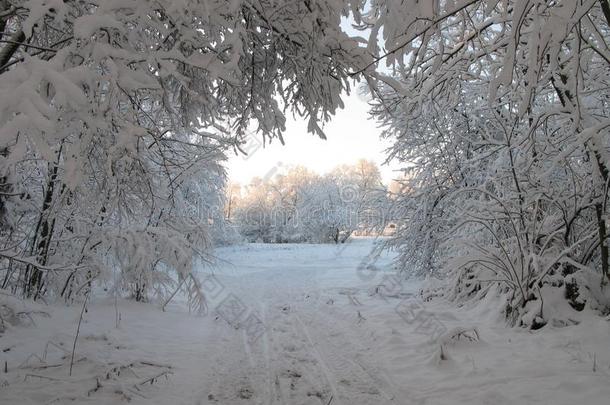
(306, 354)
(323, 336)
(328, 339)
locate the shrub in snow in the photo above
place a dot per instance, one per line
(498, 111)
(16, 312)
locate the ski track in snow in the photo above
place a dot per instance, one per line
(327, 340)
(305, 355)
(317, 350)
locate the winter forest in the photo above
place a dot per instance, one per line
(134, 268)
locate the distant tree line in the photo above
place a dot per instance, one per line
(302, 206)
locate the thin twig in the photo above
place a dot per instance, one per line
(80, 319)
(40, 376)
(153, 378)
(40, 48)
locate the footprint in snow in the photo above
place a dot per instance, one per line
(245, 393)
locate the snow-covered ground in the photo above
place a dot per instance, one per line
(301, 324)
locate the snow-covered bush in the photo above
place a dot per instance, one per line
(115, 118)
(498, 111)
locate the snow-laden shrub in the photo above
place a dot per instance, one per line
(499, 114)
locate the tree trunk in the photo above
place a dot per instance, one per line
(606, 10)
(43, 235)
(7, 52)
(601, 166)
(603, 234)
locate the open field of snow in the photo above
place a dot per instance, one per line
(301, 324)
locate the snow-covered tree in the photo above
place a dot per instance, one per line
(299, 205)
(115, 117)
(498, 110)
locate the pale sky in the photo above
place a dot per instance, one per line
(351, 136)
